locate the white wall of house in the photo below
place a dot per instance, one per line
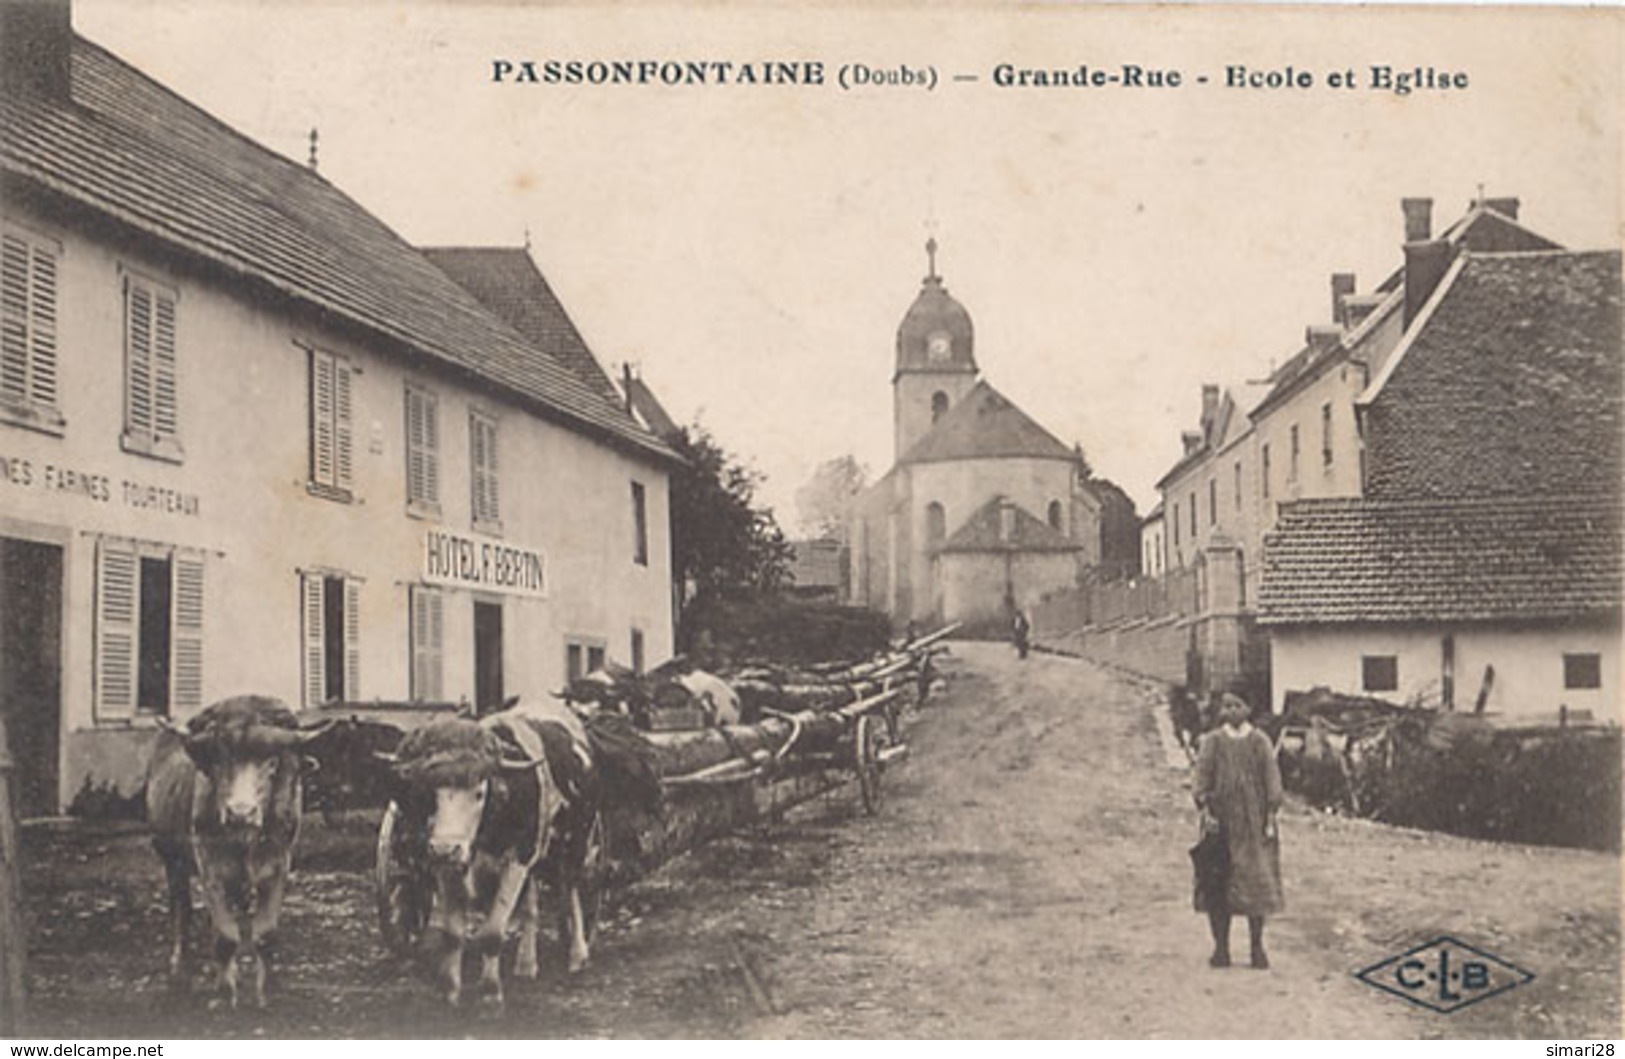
(1528, 660)
(240, 499)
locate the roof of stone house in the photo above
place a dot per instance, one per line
(1346, 561)
(815, 564)
(648, 408)
(506, 281)
(985, 424)
(1511, 381)
(1481, 229)
(1028, 533)
(150, 162)
(1228, 423)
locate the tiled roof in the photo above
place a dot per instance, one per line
(506, 281)
(649, 409)
(1028, 533)
(985, 425)
(131, 150)
(1481, 230)
(1344, 560)
(1511, 383)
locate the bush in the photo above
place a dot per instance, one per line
(779, 629)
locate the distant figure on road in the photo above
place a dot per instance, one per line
(1019, 633)
(1238, 790)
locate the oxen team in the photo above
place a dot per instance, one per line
(483, 811)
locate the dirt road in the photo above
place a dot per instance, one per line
(1026, 877)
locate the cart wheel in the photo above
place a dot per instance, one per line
(869, 739)
(401, 893)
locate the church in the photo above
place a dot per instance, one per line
(983, 510)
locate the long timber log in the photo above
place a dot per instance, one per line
(711, 775)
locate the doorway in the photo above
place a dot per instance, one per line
(31, 669)
(487, 656)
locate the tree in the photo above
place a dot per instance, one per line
(825, 500)
(720, 540)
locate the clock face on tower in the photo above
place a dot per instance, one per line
(939, 346)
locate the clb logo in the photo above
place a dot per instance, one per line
(1445, 974)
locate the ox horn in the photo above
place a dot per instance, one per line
(522, 765)
(386, 757)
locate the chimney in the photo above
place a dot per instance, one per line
(1191, 440)
(1418, 219)
(36, 45)
(1357, 307)
(1320, 338)
(1425, 265)
(1507, 208)
(1210, 405)
(1342, 289)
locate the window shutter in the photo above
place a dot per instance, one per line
(117, 572)
(431, 450)
(352, 639)
(27, 321)
(493, 506)
(414, 446)
(315, 657)
(321, 418)
(186, 666)
(42, 326)
(138, 359)
(13, 317)
(476, 444)
(165, 394)
(428, 613)
(342, 424)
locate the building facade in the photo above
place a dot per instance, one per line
(251, 441)
(1482, 568)
(984, 511)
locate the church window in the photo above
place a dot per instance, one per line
(1055, 516)
(939, 405)
(936, 523)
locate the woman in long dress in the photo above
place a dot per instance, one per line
(1238, 790)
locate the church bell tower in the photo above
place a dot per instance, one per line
(936, 365)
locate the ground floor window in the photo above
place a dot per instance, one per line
(331, 618)
(1379, 672)
(637, 651)
(1582, 672)
(582, 655)
(149, 629)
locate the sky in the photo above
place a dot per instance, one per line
(751, 248)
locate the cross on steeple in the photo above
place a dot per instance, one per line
(931, 258)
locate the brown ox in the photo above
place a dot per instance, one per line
(223, 801)
(489, 808)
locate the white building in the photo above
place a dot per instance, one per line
(251, 440)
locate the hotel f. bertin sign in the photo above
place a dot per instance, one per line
(488, 564)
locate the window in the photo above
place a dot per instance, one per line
(1238, 485)
(1379, 672)
(939, 405)
(149, 630)
(582, 655)
(1326, 434)
(640, 526)
(28, 382)
(1212, 501)
(422, 452)
(331, 620)
(1582, 671)
(1057, 516)
(637, 651)
(331, 425)
(1193, 518)
(151, 414)
(482, 447)
(428, 617)
(1176, 522)
(936, 523)
(1264, 470)
(1292, 454)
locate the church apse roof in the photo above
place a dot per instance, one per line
(985, 531)
(985, 424)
